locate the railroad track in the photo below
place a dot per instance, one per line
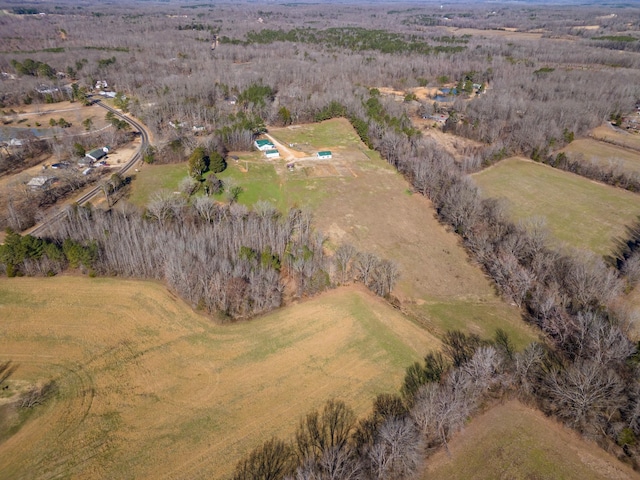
(42, 227)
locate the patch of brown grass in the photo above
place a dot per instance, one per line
(150, 389)
(608, 134)
(517, 442)
(605, 154)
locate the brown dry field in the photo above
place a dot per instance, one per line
(422, 93)
(616, 136)
(373, 207)
(506, 33)
(456, 146)
(631, 302)
(147, 388)
(75, 113)
(513, 441)
(605, 154)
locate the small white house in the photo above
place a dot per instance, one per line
(272, 154)
(101, 84)
(264, 145)
(197, 128)
(324, 155)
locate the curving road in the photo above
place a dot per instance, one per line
(144, 135)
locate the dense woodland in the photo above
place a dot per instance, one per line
(294, 63)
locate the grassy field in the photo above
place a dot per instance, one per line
(604, 154)
(616, 136)
(439, 285)
(152, 178)
(150, 389)
(355, 197)
(334, 135)
(579, 212)
(512, 441)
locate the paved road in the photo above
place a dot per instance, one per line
(144, 135)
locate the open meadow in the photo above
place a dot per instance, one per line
(579, 212)
(618, 137)
(517, 442)
(605, 154)
(149, 389)
(355, 197)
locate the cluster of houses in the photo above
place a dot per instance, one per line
(87, 163)
(270, 150)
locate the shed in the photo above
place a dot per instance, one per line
(272, 154)
(324, 155)
(264, 145)
(40, 182)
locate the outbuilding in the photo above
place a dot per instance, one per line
(272, 154)
(40, 183)
(324, 155)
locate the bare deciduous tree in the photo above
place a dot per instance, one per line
(271, 461)
(586, 394)
(397, 451)
(345, 253)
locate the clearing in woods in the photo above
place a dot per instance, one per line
(149, 389)
(515, 441)
(153, 178)
(578, 211)
(355, 197)
(361, 204)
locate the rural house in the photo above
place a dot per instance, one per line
(264, 145)
(272, 154)
(324, 155)
(97, 154)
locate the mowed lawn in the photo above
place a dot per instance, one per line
(604, 154)
(152, 178)
(579, 212)
(149, 389)
(513, 441)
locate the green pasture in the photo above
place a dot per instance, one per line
(579, 212)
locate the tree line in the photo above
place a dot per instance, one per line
(436, 399)
(219, 258)
(588, 376)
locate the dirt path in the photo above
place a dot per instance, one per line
(290, 154)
